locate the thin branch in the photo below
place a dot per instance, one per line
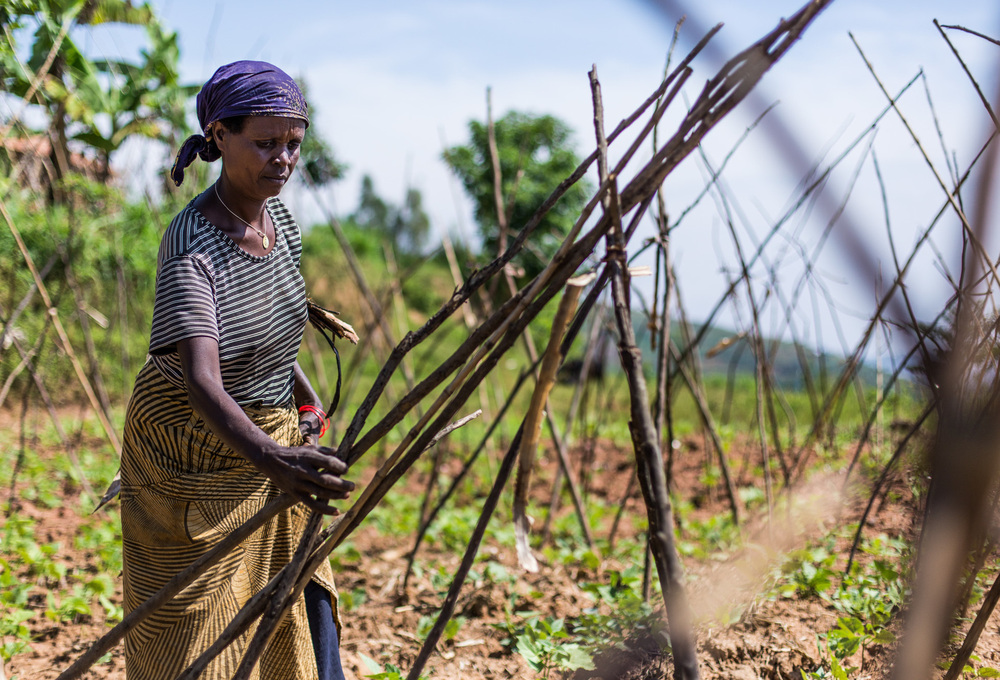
(969, 30)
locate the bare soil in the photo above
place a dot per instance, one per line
(742, 632)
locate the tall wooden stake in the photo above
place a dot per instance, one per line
(649, 460)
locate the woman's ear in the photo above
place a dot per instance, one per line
(220, 135)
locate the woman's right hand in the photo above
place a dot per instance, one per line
(311, 474)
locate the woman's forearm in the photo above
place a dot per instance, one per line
(310, 423)
(303, 390)
(310, 473)
(209, 399)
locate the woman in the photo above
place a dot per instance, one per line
(222, 418)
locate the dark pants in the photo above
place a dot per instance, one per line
(319, 610)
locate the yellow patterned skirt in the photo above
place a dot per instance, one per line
(182, 491)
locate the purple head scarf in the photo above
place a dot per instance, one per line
(243, 88)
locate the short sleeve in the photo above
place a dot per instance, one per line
(185, 304)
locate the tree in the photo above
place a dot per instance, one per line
(316, 159)
(145, 98)
(411, 224)
(373, 213)
(535, 155)
(97, 103)
(406, 226)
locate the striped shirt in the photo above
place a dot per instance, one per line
(207, 286)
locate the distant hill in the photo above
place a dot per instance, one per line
(731, 347)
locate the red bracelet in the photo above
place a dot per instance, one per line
(323, 420)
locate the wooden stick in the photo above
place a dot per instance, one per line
(468, 316)
(660, 318)
(970, 31)
(61, 332)
(358, 512)
(497, 177)
(378, 314)
(88, 339)
(463, 390)
(533, 420)
(432, 515)
(520, 521)
(448, 606)
(15, 314)
(649, 461)
(254, 607)
(650, 466)
(288, 590)
(854, 361)
(43, 70)
(43, 392)
(481, 276)
(904, 366)
(174, 586)
(807, 193)
(480, 357)
(701, 401)
(974, 237)
(579, 389)
(963, 467)
(975, 630)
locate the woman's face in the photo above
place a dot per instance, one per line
(259, 160)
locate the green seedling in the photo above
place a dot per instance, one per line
(451, 628)
(546, 646)
(377, 672)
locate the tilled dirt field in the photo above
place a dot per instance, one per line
(743, 632)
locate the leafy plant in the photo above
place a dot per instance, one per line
(377, 672)
(69, 608)
(426, 623)
(836, 671)
(13, 612)
(868, 598)
(549, 644)
(808, 572)
(546, 646)
(350, 600)
(494, 572)
(98, 102)
(702, 538)
(12, 625)
(620, 611)
(852, 634)
(102, 537)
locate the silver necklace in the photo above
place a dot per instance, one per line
(263, 236)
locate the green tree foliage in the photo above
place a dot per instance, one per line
(12, 13)
(535, 155)
(316, 159)
(372, 212)
(96, 103)
(104, 243)
(145, 98)
(404, 226)
(410, 226)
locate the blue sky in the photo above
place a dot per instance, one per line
(392, 82)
